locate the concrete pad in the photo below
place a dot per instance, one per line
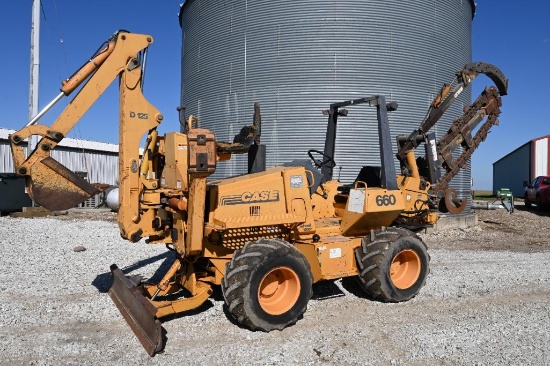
(454, 222)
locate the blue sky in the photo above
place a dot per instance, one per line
(513, 35)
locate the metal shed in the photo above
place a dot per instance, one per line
(522, 165)
(99, 160)
(297, 57)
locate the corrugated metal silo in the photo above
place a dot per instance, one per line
(297, 57)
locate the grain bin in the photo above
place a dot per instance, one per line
(297, 57)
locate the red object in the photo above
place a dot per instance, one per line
(538, 192)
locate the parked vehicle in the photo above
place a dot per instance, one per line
(538, 192)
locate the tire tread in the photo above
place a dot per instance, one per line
(370, 256)
(238, 273)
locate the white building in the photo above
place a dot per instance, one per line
(99, 160)
(522, 165)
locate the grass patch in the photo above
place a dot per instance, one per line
(484, 195)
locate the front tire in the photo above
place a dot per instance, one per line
(267, 285)
(393, 264)
(540, 205)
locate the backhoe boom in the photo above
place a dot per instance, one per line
(49, 183)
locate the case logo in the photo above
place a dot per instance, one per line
(250, 197)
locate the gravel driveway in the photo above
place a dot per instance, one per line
(486, 301)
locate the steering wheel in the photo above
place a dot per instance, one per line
(321, 163)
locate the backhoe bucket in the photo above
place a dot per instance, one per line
(55, 187)
(137, 310)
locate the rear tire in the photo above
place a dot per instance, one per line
(540, 205)
(393, 264)
(267, 285)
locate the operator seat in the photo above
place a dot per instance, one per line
(372, 175)
(315, 173)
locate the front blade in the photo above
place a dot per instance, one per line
(137, 310)
(55, 187)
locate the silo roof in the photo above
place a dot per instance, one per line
(182, 5)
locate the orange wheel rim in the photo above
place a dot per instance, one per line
(279, 290)
(405, 269)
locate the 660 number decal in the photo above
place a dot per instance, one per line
(385, 200)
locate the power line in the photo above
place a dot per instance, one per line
(60, 34)
(50, 38)
(76, 131)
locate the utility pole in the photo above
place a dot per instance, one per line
(35, 67)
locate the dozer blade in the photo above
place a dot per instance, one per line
(137, 310)
(55, 187)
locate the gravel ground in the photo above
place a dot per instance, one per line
(486, 301)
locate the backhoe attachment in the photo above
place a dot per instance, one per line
(49, 183)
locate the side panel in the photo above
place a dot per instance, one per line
(298, 201)
(332, 257)
(541, 157)
(236, 199)
(512, 170)
(370, 208)
(266, 198)
(174, 174)
(337, 257)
